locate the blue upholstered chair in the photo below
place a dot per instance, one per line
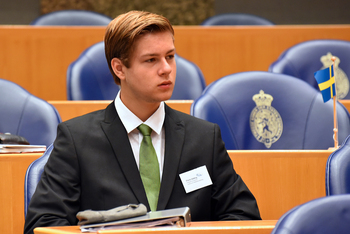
(89, 78)
(33, 175)
(236, 19)
(25, 115)
(264, 110)
(72, 18)
(303, 59)
(338, 170)
(320, 216)
(190, 81)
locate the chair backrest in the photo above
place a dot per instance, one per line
(33, 175)
(263, 110)
(236, 19)
(322, 216)
(190, 81)
(89, 78)
(25, 115)
(303, 59)
(338, 170)
(72, 18)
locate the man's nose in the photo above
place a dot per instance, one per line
(166, 68)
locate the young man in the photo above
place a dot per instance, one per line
(96, 160)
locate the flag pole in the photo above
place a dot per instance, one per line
(335, 129)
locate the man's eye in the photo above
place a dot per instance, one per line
(170, 56)
(150, 60)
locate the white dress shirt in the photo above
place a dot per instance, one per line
(131, 122)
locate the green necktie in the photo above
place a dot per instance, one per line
(149, 167)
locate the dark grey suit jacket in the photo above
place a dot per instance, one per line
(92, 166)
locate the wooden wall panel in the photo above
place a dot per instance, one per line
(71, 109)
(37, 58)
(279, 179)
(13, 168)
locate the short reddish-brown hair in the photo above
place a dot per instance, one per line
(124, 30)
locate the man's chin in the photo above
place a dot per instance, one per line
(166, 96)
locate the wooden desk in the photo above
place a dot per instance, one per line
(12, 172)
(279, 180)
(70, 109)
(37, 58)
(346, 103)
(221, 227)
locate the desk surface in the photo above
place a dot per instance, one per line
(220, 227)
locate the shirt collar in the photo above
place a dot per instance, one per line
(131, 121)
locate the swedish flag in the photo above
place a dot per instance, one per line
(326, 82)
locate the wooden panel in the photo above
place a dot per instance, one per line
(346, 103)
(37, 58)
(224, 50)
(12, 172)
(70, 109)
(281, 180)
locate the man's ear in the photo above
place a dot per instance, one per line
(118, 68)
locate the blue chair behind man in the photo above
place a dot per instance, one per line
(33, 175)
(236, 19)
(26, 115)
(294, 117)
(89, 78)
(72, 18)
(320, 216)
(338, 170)
(303, 59)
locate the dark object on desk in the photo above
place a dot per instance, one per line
(177, 217)
(118, 213)
(8, 138)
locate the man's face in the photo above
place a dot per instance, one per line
(151, 75)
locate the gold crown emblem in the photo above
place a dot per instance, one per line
(327, 60)
(262, 99)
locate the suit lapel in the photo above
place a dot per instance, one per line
(174, 139)
(118, 138)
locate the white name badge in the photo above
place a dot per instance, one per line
(195, 179)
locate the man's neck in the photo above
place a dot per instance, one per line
(142, 109)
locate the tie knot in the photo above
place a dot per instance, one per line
(144, 129)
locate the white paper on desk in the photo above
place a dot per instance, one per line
(195, 179)
(13, 148)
